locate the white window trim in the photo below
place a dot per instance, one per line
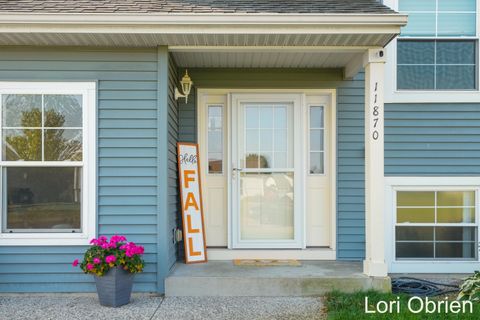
(89, 206)
(392, 95)
(393, 184)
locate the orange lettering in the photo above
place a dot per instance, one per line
(189, 225)
(190, 201)
(190, 249)
(187, 178)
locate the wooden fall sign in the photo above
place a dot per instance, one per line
(192, 207)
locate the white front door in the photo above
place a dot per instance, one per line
(266, 174)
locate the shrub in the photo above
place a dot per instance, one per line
(470, 288)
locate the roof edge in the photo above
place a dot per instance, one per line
(10, 18)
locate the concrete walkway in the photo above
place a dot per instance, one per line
(152, 307)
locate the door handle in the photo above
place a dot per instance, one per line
(237, 169)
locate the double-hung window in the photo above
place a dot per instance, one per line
(436, 224)
(437, 50)
(47, 166)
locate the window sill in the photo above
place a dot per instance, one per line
(44, 239)
(441, 96)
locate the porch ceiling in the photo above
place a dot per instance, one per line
(263, 59)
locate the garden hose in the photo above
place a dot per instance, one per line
(420, 287)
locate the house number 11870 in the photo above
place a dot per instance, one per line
(375, 114)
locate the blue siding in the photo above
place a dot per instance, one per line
(174, 217)
(432, 139)
(350, 131)
(351, 169)
(127, 160)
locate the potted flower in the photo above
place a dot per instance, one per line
(113, 263)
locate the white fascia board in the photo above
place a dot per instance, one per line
(203, 23)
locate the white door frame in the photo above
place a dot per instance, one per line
(310, 253)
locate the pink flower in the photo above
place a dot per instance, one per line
(115, 239)
(97, 260)
(110, 259)
(89, 266)
(75, 263)
(132, 249)
(98, 242)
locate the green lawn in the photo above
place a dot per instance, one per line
(345, 306)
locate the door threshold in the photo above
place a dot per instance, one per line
(299, 254)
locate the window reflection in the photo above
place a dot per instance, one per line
(43, 197)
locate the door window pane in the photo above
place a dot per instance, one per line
(316, 139)
(269, 136)
(316, 163)
(266, 202)
(215, 139)
(43, 198)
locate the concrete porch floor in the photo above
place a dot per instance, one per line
(312, 278)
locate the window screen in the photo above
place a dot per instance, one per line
(436, 64)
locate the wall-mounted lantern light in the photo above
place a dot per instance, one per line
(186, 86)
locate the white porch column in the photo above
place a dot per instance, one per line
(374, 264)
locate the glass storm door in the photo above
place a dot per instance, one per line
(264, 175)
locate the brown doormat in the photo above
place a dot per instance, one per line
(267, 263)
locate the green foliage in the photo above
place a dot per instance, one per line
(104, 255)
(351, 306)
(29, 145)
(470, 288)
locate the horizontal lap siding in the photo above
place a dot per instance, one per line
(350, 131)
(127, 160)
(351, 169)
(173, 196)
(432, 139)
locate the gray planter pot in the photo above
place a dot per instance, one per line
(115, 287)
